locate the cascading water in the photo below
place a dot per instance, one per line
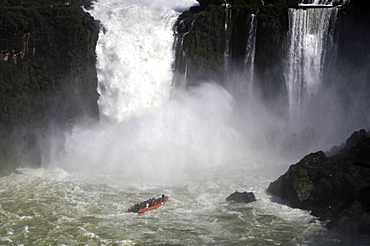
(310, 37)
(139, 124)
(181, 65)
(134, 56)
(251, 49)
(227, 53)
(239, 62)
(322, 2)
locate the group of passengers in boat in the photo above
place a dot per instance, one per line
(147, 204)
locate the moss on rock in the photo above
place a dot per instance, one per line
(47, 68)
(334, 188)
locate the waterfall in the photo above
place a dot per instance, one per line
(251, 49)
(135, 55)
(137, 136)
(181, 64)
(227, 54)
(322, 2)
(310, 37)
(245, 64)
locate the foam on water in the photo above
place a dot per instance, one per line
(46, 206)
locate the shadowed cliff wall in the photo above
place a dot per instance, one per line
(47, 73)
(205, 39)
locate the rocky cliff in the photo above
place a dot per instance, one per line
(217, 29)
(47, 60)
(334, 188)
(212, 42)
(212, 45)
(47, 73)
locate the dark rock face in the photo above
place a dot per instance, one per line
(203, 35)
(48, 75)
(335, 188)
(355, 137)
(205, 40)
(202, 56)
(242, 197)
(353, 219)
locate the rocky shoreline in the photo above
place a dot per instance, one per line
(334, 186)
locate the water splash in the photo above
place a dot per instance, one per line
(251, 49)
(173, 141)
(310, 37)
(134, 55)
(227, 52)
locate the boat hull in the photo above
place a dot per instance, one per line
(152, 207)
(135, 209)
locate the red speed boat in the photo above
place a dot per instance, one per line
(148, 205)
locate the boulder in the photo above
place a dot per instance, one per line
(351, 219)
(355, 137)
(242, 197)
(335, 188)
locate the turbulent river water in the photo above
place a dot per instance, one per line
(54, 207)
(196, 146)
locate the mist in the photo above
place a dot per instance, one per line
(203, 128)
(149, 128)
(197, 129)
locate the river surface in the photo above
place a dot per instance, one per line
(54, 207)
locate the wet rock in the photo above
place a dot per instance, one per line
(335, 188)
(48, 77)
(355, 137)
(351, 219)
(242, 197)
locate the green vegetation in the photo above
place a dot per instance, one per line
(205, 44)
(47, 67)
(206, 39)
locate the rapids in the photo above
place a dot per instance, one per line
(54, 207)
